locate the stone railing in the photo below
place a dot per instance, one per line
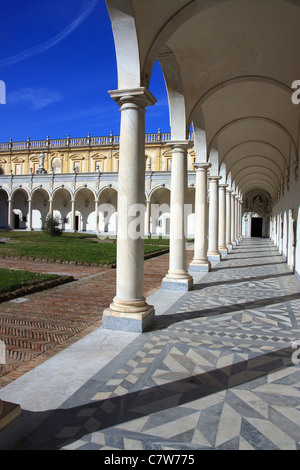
(88, 141)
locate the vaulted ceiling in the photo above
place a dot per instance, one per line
(229, 66)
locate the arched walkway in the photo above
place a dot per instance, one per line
(160, 211)
(20, 210)
(62, 208)
(40, 207)
(107, 211)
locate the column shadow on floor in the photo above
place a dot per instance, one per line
(219, 268)
(200, 286)
(164, 321)
(114, 411)
(232, 257)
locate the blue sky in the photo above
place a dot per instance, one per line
(57, 59)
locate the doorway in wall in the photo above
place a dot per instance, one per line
(256, 226)
(76, 223)
(16, 221)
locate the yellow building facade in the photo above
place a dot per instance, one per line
(83, 155)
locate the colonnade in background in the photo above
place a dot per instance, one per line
(210, 210)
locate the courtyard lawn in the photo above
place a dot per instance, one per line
(11, 280)
(74, 247)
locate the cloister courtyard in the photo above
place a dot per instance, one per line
(164, 312)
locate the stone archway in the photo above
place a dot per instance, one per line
(108, 211)
(39, 208)
(85, 214)
(20, 210)
(62, 208)
(160, 211)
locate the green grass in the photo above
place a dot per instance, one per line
(82, 248)
(11, 280)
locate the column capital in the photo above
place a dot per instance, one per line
(140, 96)
(229, 191)
(214, 177)
(201, 166)
(223, 186)
(181, 144)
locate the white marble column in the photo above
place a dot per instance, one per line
(148, 218)
(10, 213)
(73, 215)
(240, 219)
(233, 241)
(29, 220)
(51, 207)
(213, 253)
(236, 221)
(129, 310)
(228, 219)
(222, 219)
(96, 217)
(200, 261)
(178, 277)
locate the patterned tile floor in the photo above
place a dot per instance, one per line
(217, 371)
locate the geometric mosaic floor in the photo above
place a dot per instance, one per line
(217, 371)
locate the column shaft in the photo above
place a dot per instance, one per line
(228, 219)
(213, 253)
(129, 310)
(233, 242)
(236, 220)
(222, 219)
(73, 215)
(200, 261)
(178, 277)
(29, 222)
(96, 217)
(10, 213)
(148, 218)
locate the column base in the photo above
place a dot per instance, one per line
(214, 256)
(223, 251)
(229, 247)
(198, 266)
(177, 282)
(133, 316)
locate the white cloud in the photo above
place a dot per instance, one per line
(86, 9)
(36, 98)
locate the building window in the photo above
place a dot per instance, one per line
(77, 167)
(56, 165)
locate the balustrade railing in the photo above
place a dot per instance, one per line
(89, 141)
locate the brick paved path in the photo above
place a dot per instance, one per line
(47, 322)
